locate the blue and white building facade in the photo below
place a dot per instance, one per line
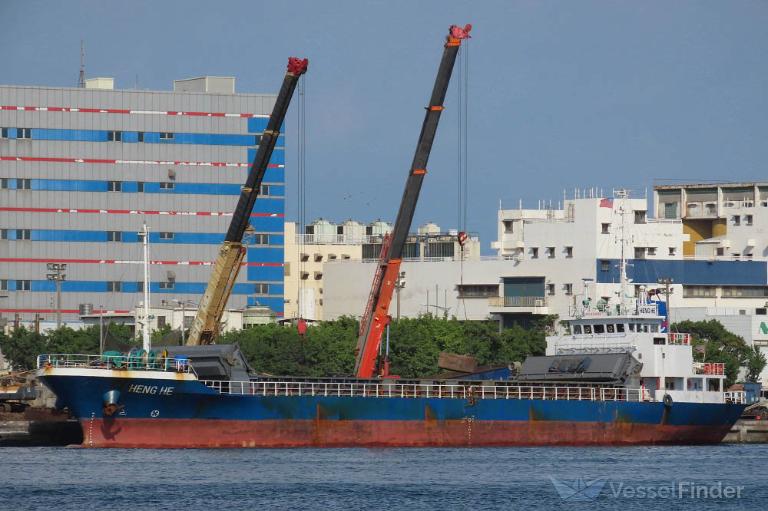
(82, 169)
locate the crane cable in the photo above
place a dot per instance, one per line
(301, 183)
(463, 156)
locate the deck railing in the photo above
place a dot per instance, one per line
(416, 390)
(712, 368)
(108, 361)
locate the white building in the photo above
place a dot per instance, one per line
(549, 258)
(308, 255)
(723, 221)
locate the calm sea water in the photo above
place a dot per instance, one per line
(62, 479)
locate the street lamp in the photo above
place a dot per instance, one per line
(58, 277)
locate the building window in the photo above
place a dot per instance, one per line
(114, 286)
(261, 239)
(261, 289)
(4, 285)
(23, 234)
(167, 186)
(651, 251)
(23, 285)
(509, 226)
(605, 265)
(140, 287)
(140, 136)
(736, 220)
(168, 284)
(640, 217)
(4, 183)
(699, 291)
(23, 184)
(551, 289)
(720, 251)
(747, 219)
(745, 292)
(166, 136)
(534, 252)
(639, 252)
(140, 186)
(161, 321)
(605, 228)
(569, 252)
(23, 133)
(478, 290)
(166, 235)
(264, 189)
(672, 251)
(114, 136)
(4, 234)
(114, 186)
(568, 288)
(114, 236)
(550, 252)
(3, 132)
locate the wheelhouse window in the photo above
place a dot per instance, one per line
(577, 329)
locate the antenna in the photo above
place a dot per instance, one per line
(81, 81)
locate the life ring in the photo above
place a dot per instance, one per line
(667, 400)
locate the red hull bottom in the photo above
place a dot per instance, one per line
(190, 433)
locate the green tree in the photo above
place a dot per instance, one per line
(716, 344)
(22, 347)
(756, 362)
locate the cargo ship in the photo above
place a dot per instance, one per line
(612, 375)
(605, 380)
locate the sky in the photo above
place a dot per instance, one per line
(562, 94)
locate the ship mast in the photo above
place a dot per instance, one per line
(622, 194)
(145, 327)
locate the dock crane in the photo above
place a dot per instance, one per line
(376, 315)
(205, 328)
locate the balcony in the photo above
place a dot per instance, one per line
(518, 304)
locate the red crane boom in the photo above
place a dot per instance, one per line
(376, 314)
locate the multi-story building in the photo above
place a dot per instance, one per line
(81, 169)
(723, 221)
(307, 255)
(549, 258)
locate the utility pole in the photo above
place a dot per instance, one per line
(399, 284)
(58, 277)
(666, 282)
